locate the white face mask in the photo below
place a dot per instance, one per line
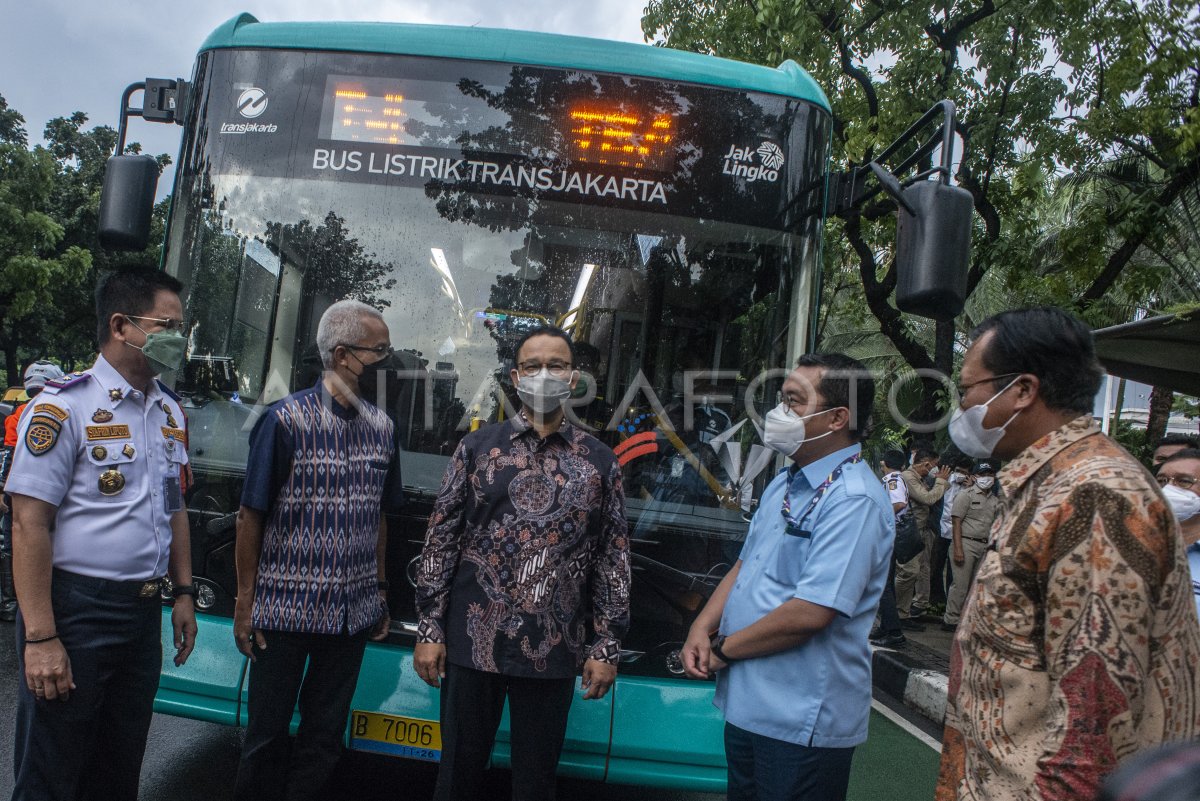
(784, 431)
(542, 392)
(970, 434)
(1184, 504)
(957, 478)
(985, 482)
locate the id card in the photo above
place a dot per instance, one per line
(172, 494)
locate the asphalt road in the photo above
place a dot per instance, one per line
(189, 760)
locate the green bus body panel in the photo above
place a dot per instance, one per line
(620, 738)
(689, 753)
(518, 47)
(207, 687)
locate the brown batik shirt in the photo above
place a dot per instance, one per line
(527, 542)
(1079, 645)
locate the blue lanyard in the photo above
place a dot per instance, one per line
(795, 525)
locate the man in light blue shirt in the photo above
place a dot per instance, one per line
(790, 655)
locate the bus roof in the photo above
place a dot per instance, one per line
(520, 47)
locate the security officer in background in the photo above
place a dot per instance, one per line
(36, 376)
(99, 525)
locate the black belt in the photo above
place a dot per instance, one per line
(976, 539)
(151, 588)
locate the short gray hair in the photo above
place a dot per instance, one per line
(341, 324)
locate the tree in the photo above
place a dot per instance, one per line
(33, 263)
(1124, 71)
(50, 256)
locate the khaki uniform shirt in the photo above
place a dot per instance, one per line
(976, 509)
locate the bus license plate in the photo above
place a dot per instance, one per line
(410, 738)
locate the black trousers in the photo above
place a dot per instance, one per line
(272, 767)
(472, 702)
(939, 570)
(889, 616)
(91, 745)
(765, 769)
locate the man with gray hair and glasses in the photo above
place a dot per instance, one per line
(311, 542)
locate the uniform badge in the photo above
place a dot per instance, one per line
(51, 410)
(170, 417)
(111, 481)
(128, 451)
(892, 484)
(115, 394)
(102, 416)
(99, 453)
(40, 436)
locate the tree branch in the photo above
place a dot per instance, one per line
(891, 324)
(1150, 216)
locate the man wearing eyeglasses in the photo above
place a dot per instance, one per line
(1079, 643)
(1179, 477)
(99, 525)
(311, 544)
(523, 581)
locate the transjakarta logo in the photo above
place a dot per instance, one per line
(740, 161)
(252, 103)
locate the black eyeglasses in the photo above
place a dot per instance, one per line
(382, 351)
(963, 389)
(556, 369)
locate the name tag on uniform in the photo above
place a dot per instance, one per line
(120, 431)
(172, 494)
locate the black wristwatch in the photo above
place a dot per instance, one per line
(716, 647)
(184, 589)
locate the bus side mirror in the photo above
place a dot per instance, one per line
(127, 202)
(933, 249)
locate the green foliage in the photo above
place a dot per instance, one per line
(1077, 139)
(49, 254)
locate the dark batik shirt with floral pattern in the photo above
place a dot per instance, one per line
(526, 545)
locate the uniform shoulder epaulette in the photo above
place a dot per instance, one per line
(170, 393)
(57, 385)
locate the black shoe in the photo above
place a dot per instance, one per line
(889, 641)
(8, 612)
(875, 634)
(949, 627)
(911, 625)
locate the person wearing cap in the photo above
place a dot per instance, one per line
(972, 514)
(36, 376)
(99, 525)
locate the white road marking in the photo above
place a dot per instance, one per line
(904, 724)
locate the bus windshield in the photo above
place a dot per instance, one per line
(672, 230)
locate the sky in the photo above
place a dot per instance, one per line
(62, 56)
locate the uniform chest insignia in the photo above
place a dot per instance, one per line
(170, 416)
(120, 431)
(128, 451)
(102, 416)
(115, 394)
(99, 453)
(111, 482)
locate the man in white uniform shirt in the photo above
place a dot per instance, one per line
(99, 524)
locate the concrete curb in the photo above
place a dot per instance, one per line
(916, 674)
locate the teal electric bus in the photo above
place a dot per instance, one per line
(663, 207)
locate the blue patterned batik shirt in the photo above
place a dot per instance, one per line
(322, 474)
(526, 543)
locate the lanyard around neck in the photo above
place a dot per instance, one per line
(795, 525)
